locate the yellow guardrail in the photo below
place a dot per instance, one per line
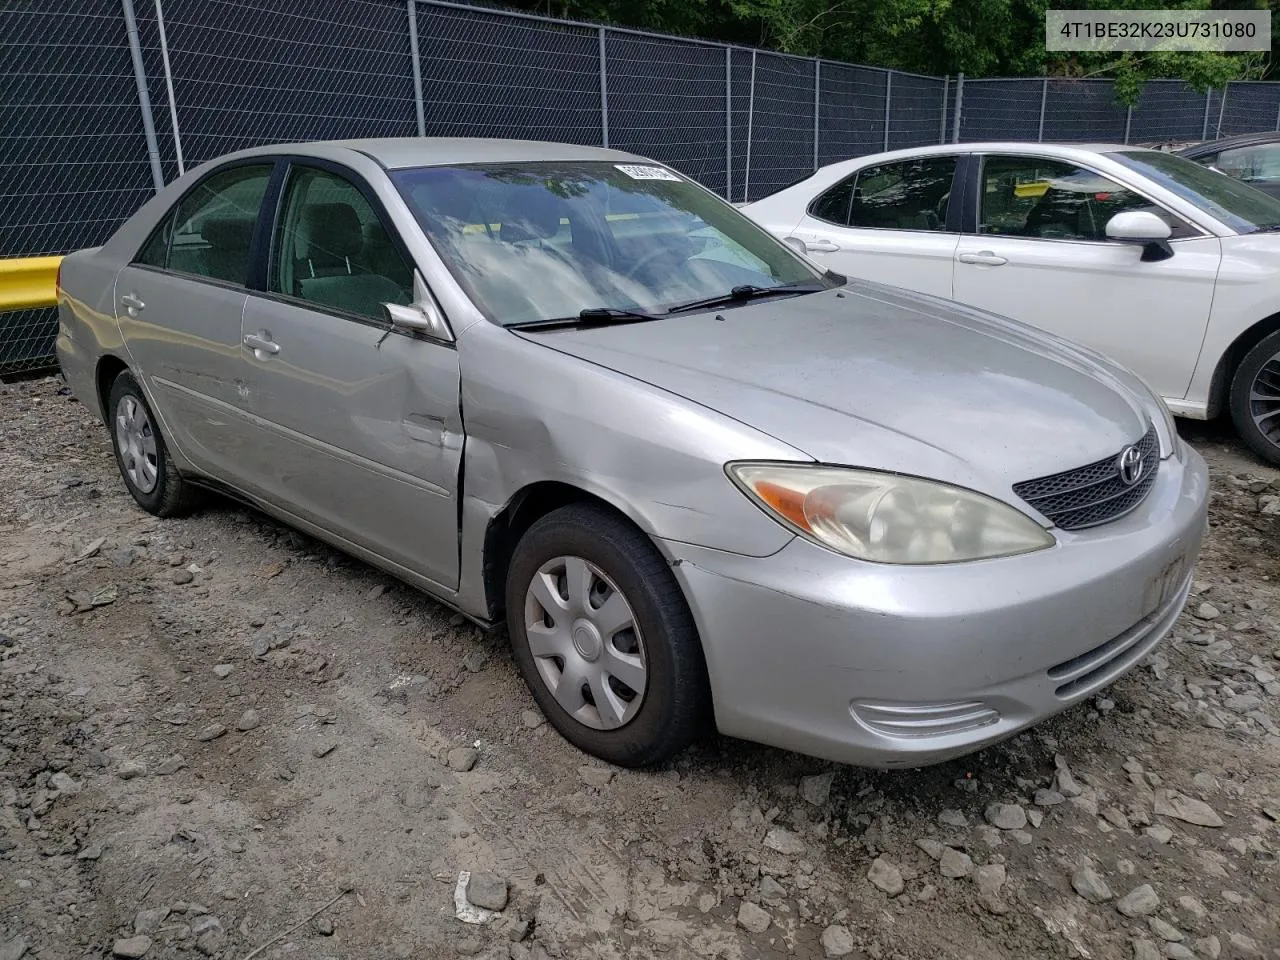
(27, 282)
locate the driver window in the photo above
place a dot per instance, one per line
(333, 249)
(907, 195)
(1051, 200)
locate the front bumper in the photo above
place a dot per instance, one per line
(901, 666)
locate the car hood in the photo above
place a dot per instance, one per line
(883, 378)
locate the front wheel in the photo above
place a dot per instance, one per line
(1255, 398)
(604, 639)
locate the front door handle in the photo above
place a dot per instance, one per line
(822, 246)
(261, 344)
(132, 303)
(984, 257)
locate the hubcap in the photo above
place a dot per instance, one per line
(585, 643)
(137, 442)
(1264, 400)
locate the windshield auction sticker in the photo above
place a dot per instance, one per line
(637, 171)
(1164, 31)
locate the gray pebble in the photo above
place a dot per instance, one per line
(886, 877)
(249, 720)
(1006, 816)
(1139, 902)
(487, 890)
(462, 759)
(131, 947)
(1090, 885)
(753, 918)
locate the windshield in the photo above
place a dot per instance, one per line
(540, 241)
(1238, 205)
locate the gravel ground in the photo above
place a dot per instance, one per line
(219, 738)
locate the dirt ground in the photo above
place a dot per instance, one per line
(219, 738)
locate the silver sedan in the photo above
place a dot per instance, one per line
(702, 480)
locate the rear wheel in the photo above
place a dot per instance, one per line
(604, 639)
(141, 453)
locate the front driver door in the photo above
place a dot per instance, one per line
(1041, 255)
(891, 223)
(362, 427)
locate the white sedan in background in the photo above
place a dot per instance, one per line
(1167, 267)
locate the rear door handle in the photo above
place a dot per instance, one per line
(261, 344)
(132, 302)
(984, 257)
(822, 246)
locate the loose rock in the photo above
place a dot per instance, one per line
(131, 947)
(784, 841)
(1145, 950)
(598, 777)
(753, 918)
(170, 765)
(1170, 803)
(211, 938)
(1006, 816)
(1165, 930)
(886, 877)
(531, 719)
(990, 879)
(817, 789)
(1139, 902)
(954, 864)
(1207, 611)
(211, 732)
(223, 670)
(487, 890)
(462, 759)
(1049, 798)
(1090, 885)
(148, 921)
(14, 949)
(837, 941)
(131, 769)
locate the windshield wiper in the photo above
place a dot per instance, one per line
(745, 293)
(590, 317)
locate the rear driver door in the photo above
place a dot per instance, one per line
(892, 222)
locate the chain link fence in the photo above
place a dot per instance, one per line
(105, 100)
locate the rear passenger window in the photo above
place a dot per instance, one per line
(907, 195)
(209, 233)
(334, 250)
(833, 206)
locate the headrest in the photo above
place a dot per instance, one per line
(532, 214)
(228, 233)
(329, 231)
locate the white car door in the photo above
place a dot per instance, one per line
(1041, 255)
(888, 223)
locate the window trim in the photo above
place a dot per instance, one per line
(269, 228)
(975, 204)
(269, 161)
(951, 225)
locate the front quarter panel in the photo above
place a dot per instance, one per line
(533, 414)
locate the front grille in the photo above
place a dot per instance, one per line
(1094, 493)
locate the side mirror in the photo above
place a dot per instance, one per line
(421, 316)
(1144, 228)
(795, 243)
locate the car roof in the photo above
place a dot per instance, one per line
(397, 153)
(1226, 143)
(1009, 146)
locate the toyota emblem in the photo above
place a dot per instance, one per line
(1130, 465)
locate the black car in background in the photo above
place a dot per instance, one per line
(1251, 157)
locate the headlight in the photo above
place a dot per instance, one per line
(888, 518)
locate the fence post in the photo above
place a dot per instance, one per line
(144, 98)
(1208, 99)
(888, 100)
(1222, 106)
(955, 118)
(751, 117)
(942, 124)
(1044, 100)
(417, 68)
(817, 86)
(1128, 122)
(168, 82)
(604, 94)
(728, 123)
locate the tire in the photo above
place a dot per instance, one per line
(1263, 361)
(141, 453)
(609, 559)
